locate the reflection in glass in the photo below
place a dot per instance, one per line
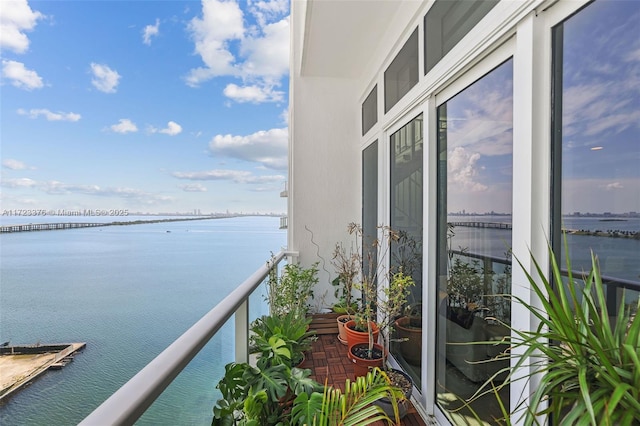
(406, 219)
(402, 73)
(447, 22)
(596, 144)
(475, 142)
(369, 203)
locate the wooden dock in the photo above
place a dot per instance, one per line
(19, 365)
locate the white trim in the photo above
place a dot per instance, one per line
(429, 255)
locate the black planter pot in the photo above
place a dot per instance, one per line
(403, 406)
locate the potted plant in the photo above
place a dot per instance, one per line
(389, 305)
(292, 290)
(273, 394)
(285, 338)
(586, 359)
(345, 264)
(409, 334)
(357, 404)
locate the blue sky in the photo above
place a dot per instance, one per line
(152, 106)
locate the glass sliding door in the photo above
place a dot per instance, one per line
(406, 252)
(369, 203)
(475, 163)
(596, 145)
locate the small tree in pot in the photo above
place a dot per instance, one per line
(378, 308)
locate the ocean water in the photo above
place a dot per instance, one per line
(618, 257)
(128, 292)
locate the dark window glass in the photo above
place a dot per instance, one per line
(406, 220)
(369, 196)
(447, 22)
(402, 73)
(370, 111)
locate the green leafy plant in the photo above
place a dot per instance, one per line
(385, 306)
(353, 407)
(292, 290)
(281, 339)
(587, 363)
(346, 265)
(261, 395)
(277, 395)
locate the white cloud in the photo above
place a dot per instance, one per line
(613, 186)
(265, 11)
(12, 164)
(268, 148)
(238, 176)
(124, 126)
(461, 170)
(221, 22)
(16, 17)
(104, 78)
(20, 76)
(255, 94)
(49, 115)
(59, 188)
(194, 187)
(19, 183)
(268, 55)
(261, 57)
(150, 31)
(172, 129)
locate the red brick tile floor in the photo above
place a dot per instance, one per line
(328, 360)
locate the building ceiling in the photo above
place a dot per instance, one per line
(340, 35)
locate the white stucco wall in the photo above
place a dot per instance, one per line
(324, 171)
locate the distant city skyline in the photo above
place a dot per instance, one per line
(144, 105)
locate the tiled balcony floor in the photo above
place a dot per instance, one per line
(328, 360)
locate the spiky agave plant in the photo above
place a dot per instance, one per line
(588, 365)
(591, 368)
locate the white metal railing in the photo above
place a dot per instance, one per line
(129, 402)
(284, 222)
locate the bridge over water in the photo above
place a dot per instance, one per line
(475, 224)
(27, 227)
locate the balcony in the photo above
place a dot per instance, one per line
(327, 361)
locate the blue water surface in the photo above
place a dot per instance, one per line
(128, 292)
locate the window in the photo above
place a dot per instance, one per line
(596, 149)
(369, 197)
(406, 219)
(475, 163)
(402, 73)
(447, 22)
(370, 110)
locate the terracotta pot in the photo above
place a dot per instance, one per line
(411, 344)
(354, 336)
(361, 366)
(342, 334)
